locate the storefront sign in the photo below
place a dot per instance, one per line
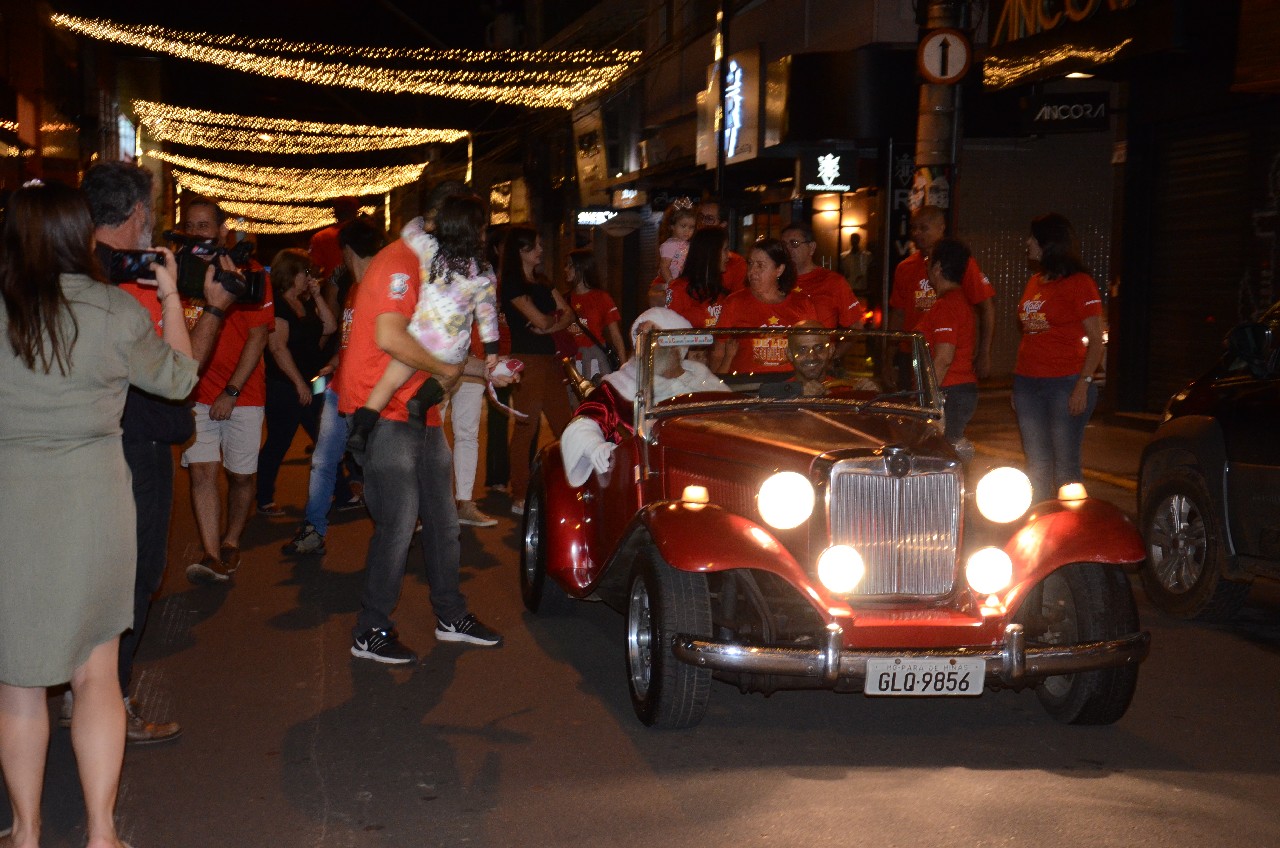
(628, 198)
(824, 171)
(1046, 39)
(1054, 113)
(1020, 19)
(588, 133)
(594, 217)
(741, 110)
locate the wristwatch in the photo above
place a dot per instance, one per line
(232, 390)
(1088, 379)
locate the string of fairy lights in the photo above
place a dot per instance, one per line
(311, 188)
(224, 131)
(264, 199)
(532, 78)
(281, 219)
(284, 213)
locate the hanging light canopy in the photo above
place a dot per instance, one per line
(223, 131)
(534, 78)
(283, 185)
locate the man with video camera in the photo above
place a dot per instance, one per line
(229, 398)
(119, 197)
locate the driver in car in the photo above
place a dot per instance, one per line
(811, 356)
(604, 418)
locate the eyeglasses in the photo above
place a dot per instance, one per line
(796, 242)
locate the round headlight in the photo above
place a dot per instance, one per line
(785, 500)
(989, 571)
(1004, 495)
(840, 568)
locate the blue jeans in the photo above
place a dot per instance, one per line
(331, 444)
(960, 402)
(1052, 438)
(408, 476)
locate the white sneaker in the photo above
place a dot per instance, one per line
(469, 513)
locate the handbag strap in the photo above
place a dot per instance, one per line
(585, 329)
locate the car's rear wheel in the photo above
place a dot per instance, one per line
(661, 603)
(1083, 602)
(1183, 573)
(538, 593)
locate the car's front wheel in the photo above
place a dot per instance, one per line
(1083, 602)
(661, 603)
(1183, 574)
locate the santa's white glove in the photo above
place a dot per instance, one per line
(601, 457)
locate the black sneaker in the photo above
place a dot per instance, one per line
(430, 394)
(382, 646)
(468, 629)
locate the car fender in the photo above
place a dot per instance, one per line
(707, 539)
(1195, 441)
(567, 533)
(1059, 533)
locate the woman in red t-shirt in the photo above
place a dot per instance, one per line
(596, 313)
(769, 300)
(698, 294)
(1061, 349)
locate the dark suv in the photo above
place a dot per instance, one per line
(1209, 489)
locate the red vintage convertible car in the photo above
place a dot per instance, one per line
(792, 532)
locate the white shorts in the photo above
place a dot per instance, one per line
(235, 441)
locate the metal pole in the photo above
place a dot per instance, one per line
(722, 73)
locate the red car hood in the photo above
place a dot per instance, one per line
(791, 438)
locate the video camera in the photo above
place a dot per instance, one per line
(125, 266)
(194, 254)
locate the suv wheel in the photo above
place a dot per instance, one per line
(1183, 573)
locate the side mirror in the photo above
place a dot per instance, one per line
(1253, 344)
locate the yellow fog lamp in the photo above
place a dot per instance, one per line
(695, 497)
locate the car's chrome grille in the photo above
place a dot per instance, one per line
(906, 528)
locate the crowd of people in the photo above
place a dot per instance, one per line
(368, 347)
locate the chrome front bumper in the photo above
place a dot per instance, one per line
(1011, 664)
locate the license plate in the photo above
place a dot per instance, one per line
(906, 676)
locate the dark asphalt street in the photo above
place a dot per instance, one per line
(289, 741)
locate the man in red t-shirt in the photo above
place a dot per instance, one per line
(325, 251)
(913, 294)
(838, 307)
(229, 411)
(948, 327)
(407, 467)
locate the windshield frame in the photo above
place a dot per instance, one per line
(646, 412)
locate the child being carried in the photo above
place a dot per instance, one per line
(454, 290)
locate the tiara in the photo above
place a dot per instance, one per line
(682, 203)
(36, 183)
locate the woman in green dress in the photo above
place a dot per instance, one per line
(71, 345)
